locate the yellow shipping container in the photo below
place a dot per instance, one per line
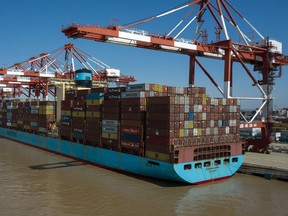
(157, 87)
(199, 131)
(189, 124)
(94, 102)
(182, 133)
(158, 156)
(110, 136)
(78, 114)
(27, 127)
(20, 122)
(47, 107)
(93, 114)
(66, 112)
(46, 112)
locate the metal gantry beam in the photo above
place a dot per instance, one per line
(247, 52)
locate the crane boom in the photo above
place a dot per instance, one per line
(265, 55)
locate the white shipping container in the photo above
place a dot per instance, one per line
(186, 133)
(186, 100)
(212, 123)
(232, 123)
(113, 123)
(208, 131)
(186, 108)
(151, 93)
(42, 129)
(212, 101)
(220, 123)
(216, 131)
(179, 90)
(227, 130)
(181, 100)
(34, 111)
(110, 129)
(140, 94)
(195, 132)
(233, 108)
(204, 117)
(138, 87)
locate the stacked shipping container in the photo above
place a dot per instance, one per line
(66, 115)
(11, 114)
(111, 119)
(94, 101)
(3, 114)
(47, 116)
(28, 116)
(159, 122)
(34, 114)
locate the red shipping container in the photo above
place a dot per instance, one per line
(110, 142)
(90, 127)
(133, 102)
(93, 120)
(160, 140)
(98, 90)
(132, 108)
(112, 102)
(116, 89)
(159, 148)
(130, 145)
(162, 133)
(132, 123)
(131, 130)
(163, 125)
(110, 109)
(96, 135)
(110, 116)
(96, 108)
(133, 116)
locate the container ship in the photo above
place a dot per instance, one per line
(172, 133)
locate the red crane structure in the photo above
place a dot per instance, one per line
(42, 75)
(265, 56)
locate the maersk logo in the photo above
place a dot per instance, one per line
(12, 133)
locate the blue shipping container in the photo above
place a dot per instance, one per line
(130, 137)
(191, 116)
(92, 96)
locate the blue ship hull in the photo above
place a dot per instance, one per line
(130, 163)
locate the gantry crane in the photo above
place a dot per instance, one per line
(43, 75)
(265, 55)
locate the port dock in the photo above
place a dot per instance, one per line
(270, 166)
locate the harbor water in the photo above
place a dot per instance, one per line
(36, 182)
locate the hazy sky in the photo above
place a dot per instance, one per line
(30, 27)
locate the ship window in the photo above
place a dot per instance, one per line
(198, 165)
(154, 163)
(217, 162)
(234, 160)
(187, 167)
(226, 161)
(207, 164)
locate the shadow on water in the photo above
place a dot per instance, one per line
(57, 165)
(156, 181)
